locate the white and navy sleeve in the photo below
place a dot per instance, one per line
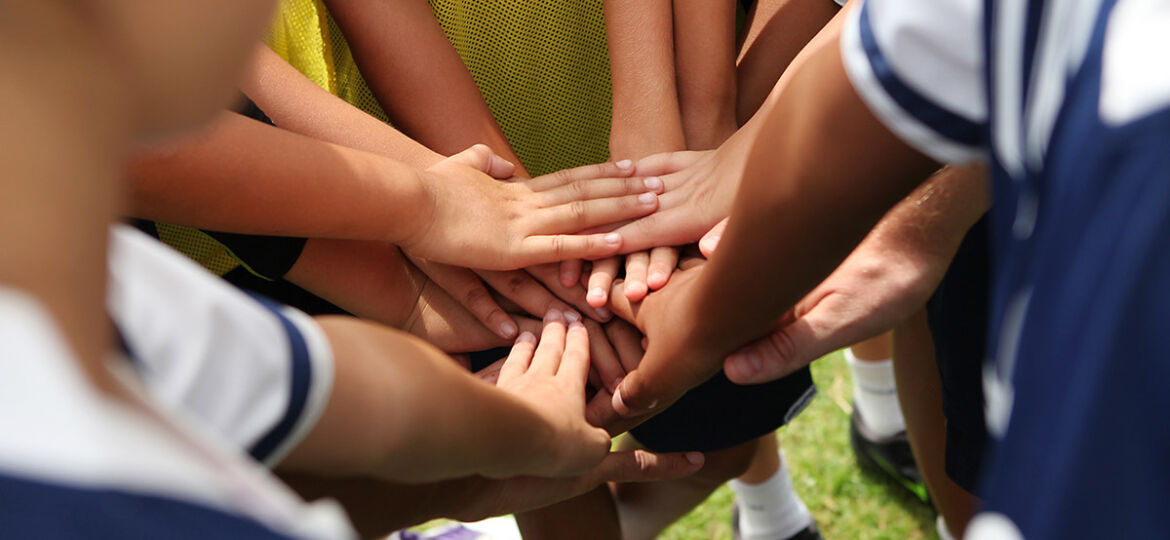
(919, 65)
(255, 373)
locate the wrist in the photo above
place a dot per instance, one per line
(412, 212)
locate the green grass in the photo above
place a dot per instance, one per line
(848, 503)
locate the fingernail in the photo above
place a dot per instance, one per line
(757, 362)
(572, 316)
(741, 364)
(602, 312)
(554, 316)
(613, 387)
(647, 198)
(618, 404)
(573, 325)
(526, 337)
(596, 295)
(657, 278)
(508, 329)
(696, 458)
(625, 164)
(614, 239)
(652, 183)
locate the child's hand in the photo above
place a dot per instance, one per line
(699, 190)
(550, 377)
(477, 221)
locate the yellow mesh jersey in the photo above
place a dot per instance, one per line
(542, 68)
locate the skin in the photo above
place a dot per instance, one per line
(417, 76)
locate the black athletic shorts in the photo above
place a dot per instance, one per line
(720, 414)
(958, 324)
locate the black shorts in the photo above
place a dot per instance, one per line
(720, 414)
(958, 324)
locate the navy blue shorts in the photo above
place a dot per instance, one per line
(720, 414)
(958, 314)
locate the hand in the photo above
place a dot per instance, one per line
(881, 283)
(550, 377)
(537, 290)
(474, 220)
(699, 190)
(673, 362)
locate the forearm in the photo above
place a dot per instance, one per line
(349, 273)
(418, 77)
(403, 411)
(776, 32)
(646, 116)
(247, 177)
(705, 67)
(296, 104)
(791, 182)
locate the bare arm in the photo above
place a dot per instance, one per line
(408, 413)
(296, 104)
(645, 100)
(705, 65)
(240, 175)
(417, 76)
(789, 183)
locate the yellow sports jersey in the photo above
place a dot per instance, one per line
(542, 67)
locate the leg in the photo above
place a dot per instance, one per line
(767, 505)
(921, 396)
(592, 516)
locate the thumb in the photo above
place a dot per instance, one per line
(483, 159)
(710, 240)
(656, 383)
(776, 355)
(643, 466)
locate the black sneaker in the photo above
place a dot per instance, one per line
(888, 455)
(808, 533)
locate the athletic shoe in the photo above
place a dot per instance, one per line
(888, 455)
(808, 533)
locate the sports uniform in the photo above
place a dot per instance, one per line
(1070, 104)
(256, 373)
(75, 463)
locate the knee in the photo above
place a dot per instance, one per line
(723, 465)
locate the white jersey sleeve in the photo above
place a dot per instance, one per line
(919, 65)
(254, 372)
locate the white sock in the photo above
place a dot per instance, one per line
(944, 533)
(770, 509)
(875, 394)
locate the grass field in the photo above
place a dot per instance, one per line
(847, 502)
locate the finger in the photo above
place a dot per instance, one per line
(708, 242)
(463, 285)
(777, 354)
(620, 305)
(552, 345)
(463, 360)
(579, 215)
(636, 265)
(609, 169)
(601, 188)
(627, 342)
(666, 163)
(603, 358)
(574, 295)
(666, 227)
(660, 381)
(519, 358)
(663, 260)
(491, 374)
(644, 466)
(570, 272)
(483, 159)
(600, 279)
(575, 361)
(535, 250)
(523, 289)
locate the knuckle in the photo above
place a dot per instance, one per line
(577, 211)
(516, 282)
(476, 296)
(559, 245)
